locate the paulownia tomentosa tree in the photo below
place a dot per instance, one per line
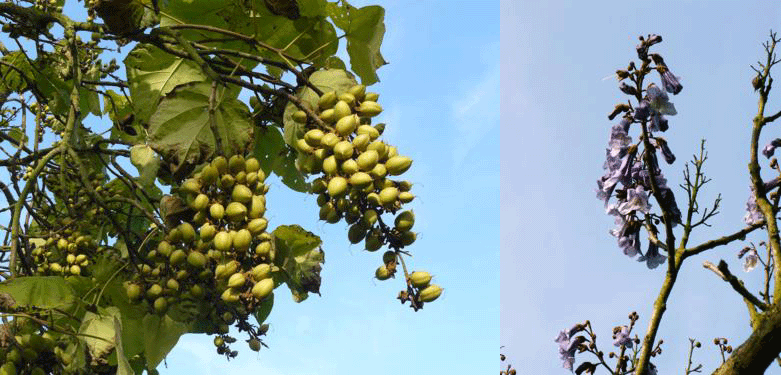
(633, 179)
(102, 270)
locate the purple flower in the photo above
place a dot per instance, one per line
(652, 257)
(752, 257)
(627, 89)
(628, 234)
(642, 111)
(658, 123)
(567, 346)
(771, 148)
(753, 214)
(668, 201)
(621, 337)
(636, 200)
(668, 155)
(670, 82)
(659, 101)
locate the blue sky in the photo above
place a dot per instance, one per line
(559, 264)
(440, 93)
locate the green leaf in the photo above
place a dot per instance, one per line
(146, 161)
(153, 73)
(126, 126)
(160, 336)
(43, 292)
(264, 309)
(274, 156)
(101, 337)
(326, 80)
(123, 366)
(14, 79)
(179, 130)
(364, 38)
(299, 254)
(312, 8)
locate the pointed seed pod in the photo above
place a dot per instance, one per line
(367, 160)
(343, 150)
(236, 164)
(356, 233)
(313, 137)
(242, 194)
(327, 100)
(341, 109)
(216, 211)
(419, 279)
(368, 129)
(263, 288)
(430, 293)
(404, 221)
(371, 97)
(223, 241)
(299, 117)
(397, 165)
(382, 273)
(236, 211)
(369, 109)
(337, 186)
(236, 280)
(349, 167)
(221, 164)
(196, 259)
(346, 125)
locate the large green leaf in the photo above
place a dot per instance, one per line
(299, 254)
(15, 79)
(160, 336)
(126, 125)
(262, 312)
(100, 334)
(275, 156)
(180, 130)
(326, 80)
(365, 28)
(146, 161)
(123, 366)
(44, 292)
(153, 73)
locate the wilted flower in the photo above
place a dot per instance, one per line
(670, 82)
(652, 258)
(668, 155)
(771, 148)
(621, 337)
(752, 257)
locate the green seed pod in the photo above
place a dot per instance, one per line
(405, 221)
(373, 242)
(299, 116)
(367, 160)
(342, 109)
(304, 147)
(347, 98)
(196, 290)
(223, 241)
(236, 280)
(62, 244)
(382, 273)
(219, 341)
(346, 125)
(227, 181)
(368, 129)
(357, 91)
(380, 127)
(216, 211)
(388, 196)
(236, 164)
(196, 259)
(407, 238)
(356, 233)
(257, 207)
(330, 165)
(8, 368)
(369, 109)
(172, 284)
(81, 258)
(257, 226)
(261, 271)
(313, 137)
(154, 291)
(343, 150)
(177, 257)
(181, 275)
(370, 217)
(406, 197)
(263, 288)
(75, 270)
(71, 258)
(199, 218)
(207, 232)
(380, 147)
(320, 154)
(252, 179)
(221, 164)
(419, 279)
(254, 344)
(251, 165)
(329, 115)
(241, 177)
(337, 186)
(329, 140)
(430, 293)
(191, 186)
(200, 202)
(360, 179)
(389, 257)
(263, 249)
(322, 199)
(230, 296)
(328, 100)
(188, 232)
(371, 97)
(133, 291)
(209, 174)
(236, 211)
(242, 240)
(349, 166)
(397, 165)
(319, 185)
(392, 151)
(242, 194)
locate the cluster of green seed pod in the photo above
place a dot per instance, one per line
(33, 352)
(64, 254)
(357, 168)
(358, 181)
(222, 253)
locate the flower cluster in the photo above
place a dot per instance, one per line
(630, 167)
(568, 346)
